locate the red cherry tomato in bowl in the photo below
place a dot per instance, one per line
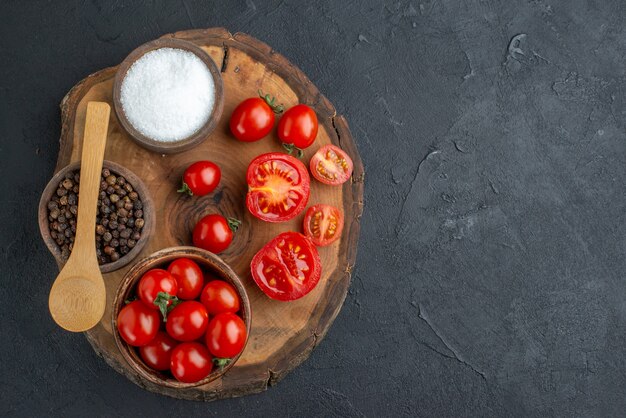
(214, 233)
(157, 353)
(219, 296)
(152, 283)
(323, 224)
(278, 187)
(253, 118)
(226, 335)
(138, 324)
(191, 362)
(297, 128)
(189, 277)
(201, 178)
(331, 165)
(287, 268)
(187, 321)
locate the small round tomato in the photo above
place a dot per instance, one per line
(219, 296)
(152, 283)
(278, 187)
(288, 267)
(157, 353)
(138, 324)
(226, 335)
(214, 233)
(191, 362)
(187, 321)
(254, 118)
(201, 178)
(189, 277)
(331, 165)
(298, 127)
(323, 224)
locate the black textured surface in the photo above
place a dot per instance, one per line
(490, 275)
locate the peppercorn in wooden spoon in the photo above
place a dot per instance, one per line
(78, 296)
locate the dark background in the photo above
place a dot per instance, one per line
(490, 274)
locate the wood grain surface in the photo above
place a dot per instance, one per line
(283, 334)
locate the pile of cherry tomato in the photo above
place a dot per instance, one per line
(183, 320)
(288, 267)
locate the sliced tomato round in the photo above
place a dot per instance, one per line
(331, 165)
(278, 187)
(323, 224)
(288, 267)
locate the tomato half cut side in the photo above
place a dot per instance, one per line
(331, 165)
(278, 187)
(323, 224)
(288, 267)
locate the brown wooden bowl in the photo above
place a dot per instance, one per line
(208, 262)
(142, 191)
(203, 132)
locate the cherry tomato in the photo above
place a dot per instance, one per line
(288, 267)
(189, 277)
(219, 296)
(201, 178)
(226, 335)
(187, 321)
(214, 233)
(253, 118)
(152, 283)
(298, 127)
(191, 362)
(138, 324)
(157, 353)
(323, 224)
(278, 187)
(331, 165)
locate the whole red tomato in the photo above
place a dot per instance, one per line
(138, 324)
(189, 277)
(157, 353)
(219, 296)
(253, 118)
(187, 321)
(201, 178)
(214, 233)
(191, 362)
(297, 128)
(152, 283)
(226, 335)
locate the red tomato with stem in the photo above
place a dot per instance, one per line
(219, 296)
(191, 362)
(287, 268)
(254, 118)
(226, 335)
(331, 165)
(138, 324)
(201, 178)
(158, 352)
(189, 277)
(278, 187)
(214, 233)
(297, 128)
(323, 224)
(187, 321)
(157, 288)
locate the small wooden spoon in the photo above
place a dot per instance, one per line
(78, 296)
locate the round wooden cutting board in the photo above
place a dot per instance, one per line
(283, 334)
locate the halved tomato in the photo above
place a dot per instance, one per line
(323, 224)
(331, 165)
(288, 267)
(278, 187)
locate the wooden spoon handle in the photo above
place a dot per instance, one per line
(94, 141)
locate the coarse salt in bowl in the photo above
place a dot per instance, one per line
(168, 95)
